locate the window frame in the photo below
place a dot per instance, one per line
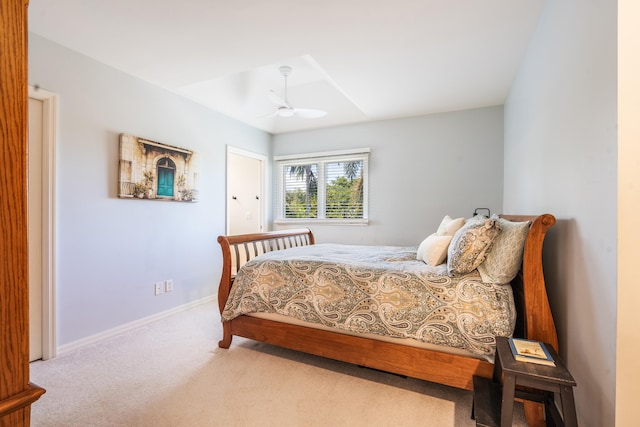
(282, 164)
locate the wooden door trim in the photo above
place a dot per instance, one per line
(16, 392)
(49, 132)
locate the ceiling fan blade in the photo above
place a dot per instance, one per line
(281, 112)
(278, 100)
(309, 113)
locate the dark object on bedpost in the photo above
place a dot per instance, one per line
(534, 313)
(487, 211)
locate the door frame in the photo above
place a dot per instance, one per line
(49, 139)
(263, 162)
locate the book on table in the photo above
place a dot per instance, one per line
(530, 351)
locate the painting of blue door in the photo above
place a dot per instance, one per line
(166, 177)
(150, 170)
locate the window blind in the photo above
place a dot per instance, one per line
(331, 187)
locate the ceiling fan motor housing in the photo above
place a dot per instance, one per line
(285, 70)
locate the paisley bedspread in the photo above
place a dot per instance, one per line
(381, 290)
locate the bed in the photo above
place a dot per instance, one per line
(414, 348)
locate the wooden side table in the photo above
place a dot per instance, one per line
(550, 380)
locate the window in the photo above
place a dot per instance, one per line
(328, 187)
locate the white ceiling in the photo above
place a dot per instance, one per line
(359, 60)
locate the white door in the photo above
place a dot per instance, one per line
(244, 193)
(34, 192)
(40, 201)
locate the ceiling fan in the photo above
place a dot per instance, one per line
(284, 108)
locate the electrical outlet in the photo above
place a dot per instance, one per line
(168, 285)
(159, 288)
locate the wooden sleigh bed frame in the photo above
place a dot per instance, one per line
(534, 321)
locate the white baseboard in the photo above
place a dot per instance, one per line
(75, 345)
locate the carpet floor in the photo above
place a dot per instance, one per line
(171, 373)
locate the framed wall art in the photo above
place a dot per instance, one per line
(154, 171)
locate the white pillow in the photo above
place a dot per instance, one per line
(449, 226)
(503, 262)
(433, 249)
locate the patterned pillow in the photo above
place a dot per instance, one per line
(471, 244)
(433, 249)
(503, 262)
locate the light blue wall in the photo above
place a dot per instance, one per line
(421, 169)
(561, 158)
(110, 251)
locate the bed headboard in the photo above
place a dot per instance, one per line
(529, 289)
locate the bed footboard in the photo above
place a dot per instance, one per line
(237, 250)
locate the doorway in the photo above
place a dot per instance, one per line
(40, 205)
(166, 174)
(245, 191)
